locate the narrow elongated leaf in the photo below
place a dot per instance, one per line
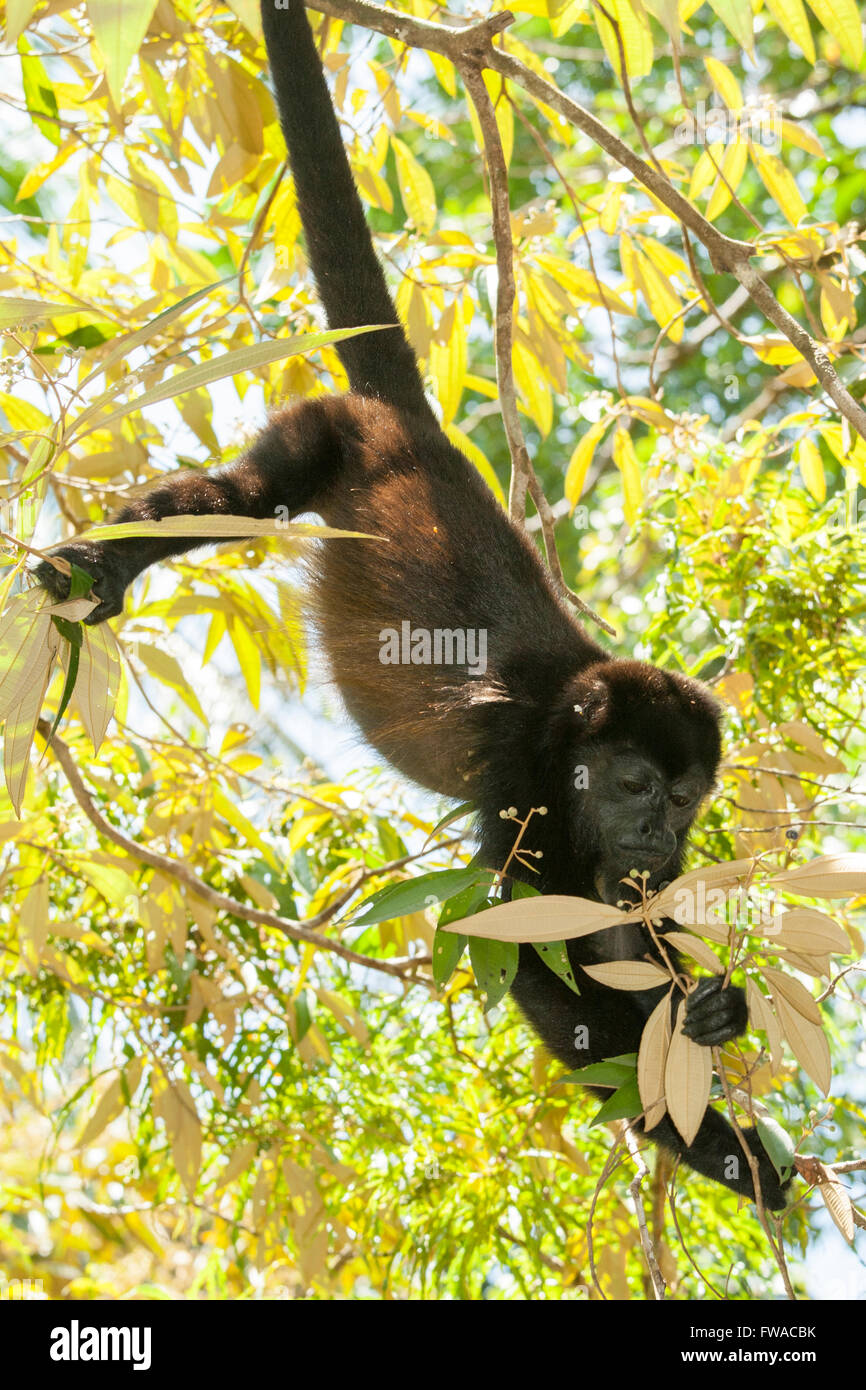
(796, 994)
(651, 1060)
(226, 528)
(554, 918)
(807, 1041)
(119, 26)
(239, 360)
(98, 681)
(628, 974)
(688, 1077)
(792, 19)
(16, 311)
(125, 345)
(829, 876)
(398, 899)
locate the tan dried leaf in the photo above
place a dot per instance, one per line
(808, 1043)
(762, 1016)
(628, 974)
(98, 681)
(651, 1059)
(688, 1077)
(696, 949)
(796, 994)
(708, 876)
(812, 932)
(836, 1200)
(554, 918)
(828, 876)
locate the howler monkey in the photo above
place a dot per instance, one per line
(620, 753)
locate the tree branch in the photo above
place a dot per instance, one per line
(472, 46)
(182, 873)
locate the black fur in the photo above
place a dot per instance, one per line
(550, 700)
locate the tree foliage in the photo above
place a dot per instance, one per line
(218, 1081)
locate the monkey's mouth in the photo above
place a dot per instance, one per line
(639, 857)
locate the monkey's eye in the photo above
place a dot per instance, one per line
(633, 785)
(680, 799)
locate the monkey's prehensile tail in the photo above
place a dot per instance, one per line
(349, 278)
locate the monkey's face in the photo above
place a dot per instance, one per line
(639, 817)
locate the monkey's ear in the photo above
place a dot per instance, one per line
(589, 698)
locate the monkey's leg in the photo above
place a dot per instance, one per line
(290, 465)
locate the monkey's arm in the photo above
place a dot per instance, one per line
(290, 465)
(602, 1022)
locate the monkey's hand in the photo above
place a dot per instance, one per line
(110, 576)
(715, 1014)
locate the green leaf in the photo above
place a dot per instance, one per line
(39, 94)
(779, 1145)
(448, 947)
(495, 965)
(554, 955)
(624, 1104)
(464, 809)
(600, 1074)
(398, 899)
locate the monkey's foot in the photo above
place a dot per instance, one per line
(109, 577)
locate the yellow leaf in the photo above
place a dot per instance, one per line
(836, 1200)
(792, 19)
(119, 26)
(167, 670)
(841, 18)
(18, 14)
(416, 187)
(732, 168)
(762, 1016)
(248, 13)
(725, 83)
(250, 659)
(807, 456)
(829, 876)
(626, 461)
(529, 375)
(447, 361)
(112, 1101)
(98, 681)
(634, 29)
(688, 1077)
(736, 15)
(707, 168)
(578, 464)
(780, 184)
(802, 136)
(21, 722)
